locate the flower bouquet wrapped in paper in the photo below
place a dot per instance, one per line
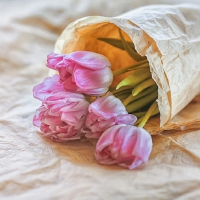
(115, 73)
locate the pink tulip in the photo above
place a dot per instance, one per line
(50, 87)
(62, 114)
(105, 112)
(82, 71)
(125, 145)
(43, 89)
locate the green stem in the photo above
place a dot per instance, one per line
(138, 121)
(122, 89)
(122, 96)
(148, 114)
(141, 94)
(140, 103)
(140, 115)
(138, 65)
(128, 100)
(142, 86)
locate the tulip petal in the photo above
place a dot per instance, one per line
(108, 106)
(143, 145)
(36, 121)
(89, 79)
(88, 59)
(69, 85)
(94, 92)
(50, 84)
(127, 119)
(64, 74)
(53, 59)
(106, 138)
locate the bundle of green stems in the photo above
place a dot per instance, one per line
(138, 91)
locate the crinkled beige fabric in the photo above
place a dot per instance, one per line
(32, 167)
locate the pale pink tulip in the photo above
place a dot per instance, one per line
(52, 86)
(62, 114)
(125, 145)
(45, 88)
(82, 71)
(105, 112)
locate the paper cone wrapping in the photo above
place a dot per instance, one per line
(168, 35)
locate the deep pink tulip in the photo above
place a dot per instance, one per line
(105, 112)
(125, 145)
(62, 114)
(82, 71)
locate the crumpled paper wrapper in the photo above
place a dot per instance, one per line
(168, 35)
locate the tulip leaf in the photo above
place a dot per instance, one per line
(117, 43)
(130, 50)
(139, 65)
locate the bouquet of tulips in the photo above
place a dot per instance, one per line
(78, 102)
(92, 93)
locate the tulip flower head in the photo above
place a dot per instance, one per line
(125, 145)
(62, 114)
(105, 112)
(82, 71)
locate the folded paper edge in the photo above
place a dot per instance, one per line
(69, 37)
(144, 44)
